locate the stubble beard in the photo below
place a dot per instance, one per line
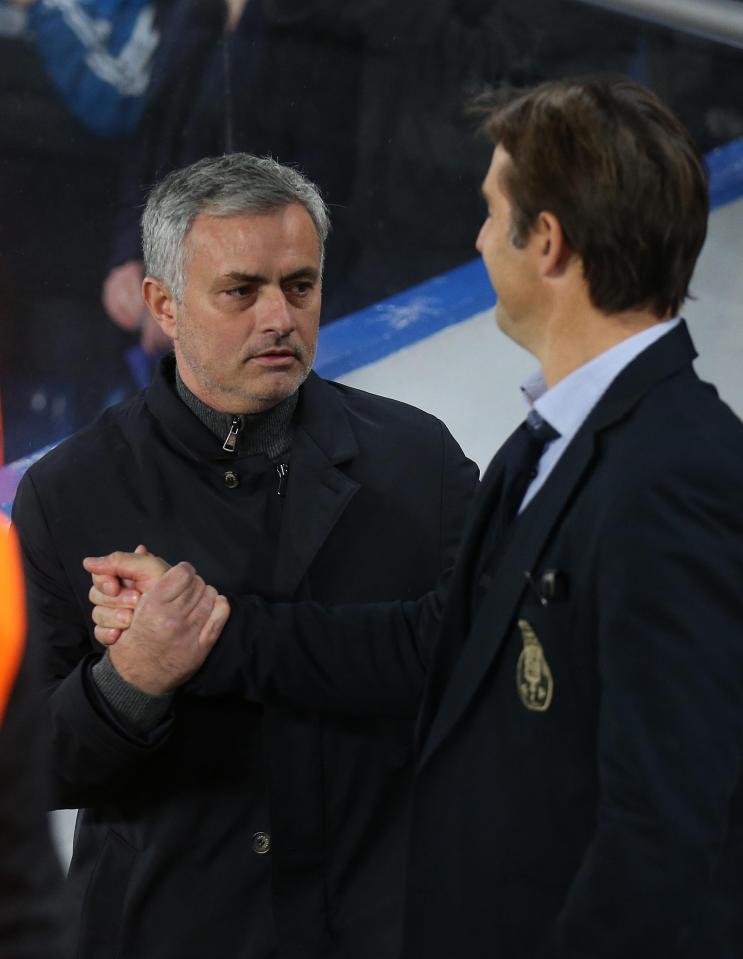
(239, 397)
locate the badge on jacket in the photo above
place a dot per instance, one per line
(533, 676)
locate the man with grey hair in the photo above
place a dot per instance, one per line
(217, 828)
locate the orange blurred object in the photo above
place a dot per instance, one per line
(12, 612)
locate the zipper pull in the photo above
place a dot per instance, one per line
(231, 439)
(283, 470)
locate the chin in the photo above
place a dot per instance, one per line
(502, 319)
(271, 393)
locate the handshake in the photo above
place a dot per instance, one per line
(159, 622)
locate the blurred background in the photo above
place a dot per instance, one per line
(99, 98)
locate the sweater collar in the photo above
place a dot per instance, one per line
(268, 432)
(320, 413)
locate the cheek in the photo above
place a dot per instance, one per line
(212, 342)
(307, 328)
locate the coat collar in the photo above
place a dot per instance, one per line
(182, 428)
(476, 646)
(318, 490)
(320, 412)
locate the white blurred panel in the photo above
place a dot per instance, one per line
(469, 374)
(716, 315)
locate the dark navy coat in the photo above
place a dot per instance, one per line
(580, 745)
(168, 860)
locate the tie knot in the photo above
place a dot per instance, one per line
(539, 429)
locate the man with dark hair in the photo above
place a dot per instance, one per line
(218, 829)
(580, 742)
(597, 160)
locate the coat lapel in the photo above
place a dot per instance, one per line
(456, 623)
(496, 612)
(318, 492)
(486, 634)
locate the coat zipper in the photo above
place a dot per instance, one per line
(231, 439)
(283, 470)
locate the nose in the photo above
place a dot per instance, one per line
(276, 315)
(478, 241)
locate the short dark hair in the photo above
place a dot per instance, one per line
(621, 174)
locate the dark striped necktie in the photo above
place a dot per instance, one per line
(519, 470)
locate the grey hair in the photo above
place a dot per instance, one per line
(230, 185)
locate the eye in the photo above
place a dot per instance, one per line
(237, 291)
(300, 289)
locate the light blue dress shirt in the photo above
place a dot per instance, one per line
(566, 406)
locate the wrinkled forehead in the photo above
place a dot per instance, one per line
(214, 234)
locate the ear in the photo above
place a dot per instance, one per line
(551, 245)
(162, 305)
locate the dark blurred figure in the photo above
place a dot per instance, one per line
(369, 99)
(418, 164)
(30, 919)
(700, 79)
(60, 361)
(229, 77)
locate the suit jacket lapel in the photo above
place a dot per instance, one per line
(497, 609)
(456, 621)
(318, 492)
(664, 358)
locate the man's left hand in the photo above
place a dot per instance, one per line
(119, 580)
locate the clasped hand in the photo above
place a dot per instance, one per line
(159, 622)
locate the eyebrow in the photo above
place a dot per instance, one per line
(308, 272)
(237, 276)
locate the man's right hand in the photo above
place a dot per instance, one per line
(176, 622)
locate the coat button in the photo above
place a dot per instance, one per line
(231, 479)
(261, 843)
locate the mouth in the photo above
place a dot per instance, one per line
(275, 357)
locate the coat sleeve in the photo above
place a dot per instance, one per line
(366, 660)
(90, 751)
(670, 730)
(361, 660)
(459, 484)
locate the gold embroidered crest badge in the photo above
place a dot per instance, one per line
(533, 675)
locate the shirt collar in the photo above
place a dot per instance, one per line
(567, 404)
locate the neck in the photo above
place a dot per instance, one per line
(269, 432)
(573, 338)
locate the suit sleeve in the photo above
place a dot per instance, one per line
(361, 660)
(90, 750)
(670, 732)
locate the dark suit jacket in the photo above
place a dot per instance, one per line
(609, 824)
(164, 864)
(578, 789)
